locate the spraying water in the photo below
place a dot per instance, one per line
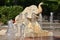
(51, 24)
(51, 20)
(22, 27)
(40, 18)
(10, 32)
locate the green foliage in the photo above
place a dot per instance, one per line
(52, 4)
(9, 12)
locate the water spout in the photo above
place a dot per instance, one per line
(51, 24)
(10, 31)
(22, 27)
(40, 22)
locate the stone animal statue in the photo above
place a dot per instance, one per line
(27, 21)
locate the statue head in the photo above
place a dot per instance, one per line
(31, 12)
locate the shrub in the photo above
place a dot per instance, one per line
(9, 12)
